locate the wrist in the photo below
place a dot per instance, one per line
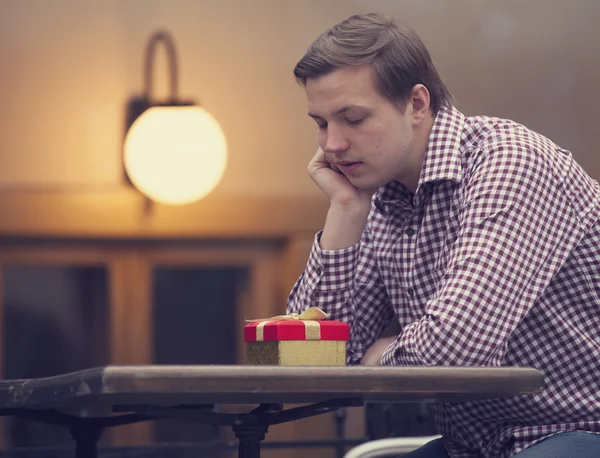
(351, 210)
(343, 227)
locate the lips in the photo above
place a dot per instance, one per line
(349, 167)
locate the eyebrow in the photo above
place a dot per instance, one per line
(336, 112)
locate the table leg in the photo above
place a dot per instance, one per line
(340, 434)
(86, 440)
(249, 437)
(86, 450)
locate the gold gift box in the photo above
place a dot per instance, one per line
(297, 340)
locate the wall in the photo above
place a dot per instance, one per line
(68, 67)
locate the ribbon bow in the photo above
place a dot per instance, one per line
(310, 314)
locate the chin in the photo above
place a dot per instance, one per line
(366, 184)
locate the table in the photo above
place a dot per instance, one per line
(90, 400)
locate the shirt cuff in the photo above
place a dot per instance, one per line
(331, 270)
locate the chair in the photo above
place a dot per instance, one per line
(388, 447)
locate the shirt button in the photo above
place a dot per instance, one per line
(410, 232)
(410, 292)
(319, 271)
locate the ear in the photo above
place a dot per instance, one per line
(419, 99)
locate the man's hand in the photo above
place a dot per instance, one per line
(349, 206)
(372, 356)
(336, 186)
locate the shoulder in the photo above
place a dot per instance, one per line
(507, 147)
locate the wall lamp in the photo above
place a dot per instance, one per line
(175, 152)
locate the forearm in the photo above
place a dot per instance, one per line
(336, 303)
(344, 226)
(332, 282)
(327, 282)
(341, 305)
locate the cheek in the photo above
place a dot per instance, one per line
(322, 137)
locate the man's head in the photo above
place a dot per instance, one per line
(399, 58)
(373, 91)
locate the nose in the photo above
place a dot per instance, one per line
(334, 140)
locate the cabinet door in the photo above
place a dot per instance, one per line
(55, 314)
(201, 295)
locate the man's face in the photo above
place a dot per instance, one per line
(369, 138)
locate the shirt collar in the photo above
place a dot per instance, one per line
(442, 158)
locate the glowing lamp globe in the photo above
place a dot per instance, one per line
(175, 154)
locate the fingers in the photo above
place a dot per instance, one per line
(321, 161)
(334, 168)
(318, 162)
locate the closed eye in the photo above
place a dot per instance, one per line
(355, 122)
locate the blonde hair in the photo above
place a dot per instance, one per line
(397, 54)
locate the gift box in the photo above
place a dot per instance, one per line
(297, 340)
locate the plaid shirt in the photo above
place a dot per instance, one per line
(493, 261)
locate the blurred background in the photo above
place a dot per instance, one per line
(93, 273)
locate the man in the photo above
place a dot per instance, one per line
(479, 236)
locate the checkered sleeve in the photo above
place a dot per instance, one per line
(516, 228)
(345, 284)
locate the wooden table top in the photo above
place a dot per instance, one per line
(243, 384)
